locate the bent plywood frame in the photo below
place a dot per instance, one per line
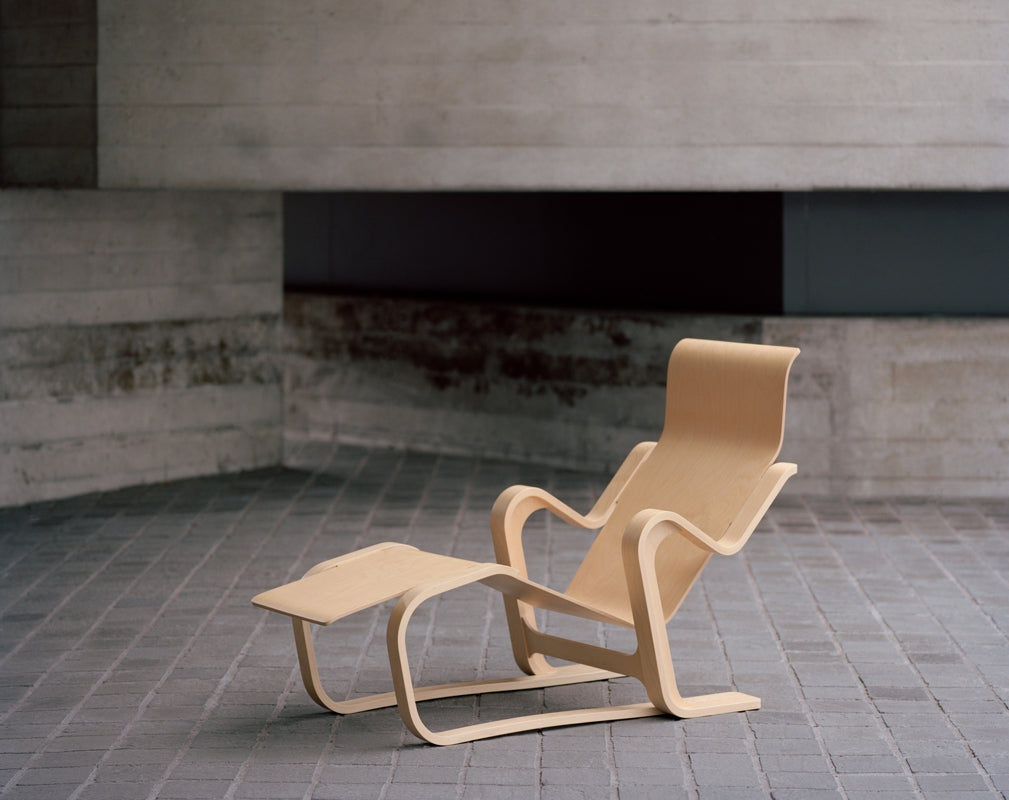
(700, 490)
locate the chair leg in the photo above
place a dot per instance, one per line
(659, 679)
(656, 661)
(652, 664)
(313, 685)
(408, 695)
(550, 676)
(660, 683)
(575, 673)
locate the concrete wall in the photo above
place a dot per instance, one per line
(876, 407)
(138, 330)
(48, 113)
(898, 406)
(689, 94)
(139, 338)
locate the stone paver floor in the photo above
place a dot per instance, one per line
(133, 666)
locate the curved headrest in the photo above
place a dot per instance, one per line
(728, 389)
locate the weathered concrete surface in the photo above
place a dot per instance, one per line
(139, 338)
(553, 93)
(513, 382)
(916, 406)
(898, 406)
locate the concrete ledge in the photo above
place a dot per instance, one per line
(877, 406)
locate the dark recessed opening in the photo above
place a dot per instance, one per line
(713, 252)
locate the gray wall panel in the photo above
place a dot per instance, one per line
(681, 94)
(896, 253)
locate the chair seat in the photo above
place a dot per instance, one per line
(348, 586)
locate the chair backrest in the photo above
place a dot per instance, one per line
(725, 413)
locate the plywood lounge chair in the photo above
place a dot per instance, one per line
(701, 489)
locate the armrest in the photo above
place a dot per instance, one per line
(511, 510)
(739, 530)
(647, 529)
(517, 503)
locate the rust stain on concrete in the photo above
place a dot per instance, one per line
(63, 362)
(476, 347)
